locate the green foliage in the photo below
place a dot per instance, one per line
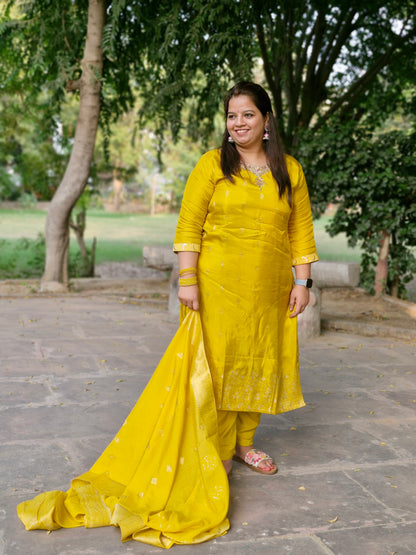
(8, 188)
(372, 179)
(319, 58)
(27, 200)
(194, 50)
(78, 267)
(40, 49)
(24, 259)
(31, 161)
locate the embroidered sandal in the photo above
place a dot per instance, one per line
(253, 458)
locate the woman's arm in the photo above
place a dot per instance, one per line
(188, 295)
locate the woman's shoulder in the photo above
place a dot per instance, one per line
(294, 168)
(211, 157)
(292, 163)
(210, 162)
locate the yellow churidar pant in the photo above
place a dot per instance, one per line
(161, 479)
(236, 428)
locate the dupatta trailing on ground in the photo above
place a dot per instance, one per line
(160, 480)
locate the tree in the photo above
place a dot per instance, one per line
(322, 61)
(34, 46)
(52, 47)
(78, 168)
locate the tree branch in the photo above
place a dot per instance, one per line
(303, 43)
(310, 96)
(64, 30)
(291, 92)
(72, 85)
(272, 81)
(351, 96)
(342, 30)
(318, 32)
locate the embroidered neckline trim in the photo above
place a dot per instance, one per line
(258, 171)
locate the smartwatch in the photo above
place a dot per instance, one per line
(305, 282)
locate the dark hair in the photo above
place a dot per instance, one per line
(275, 154)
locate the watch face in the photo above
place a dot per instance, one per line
(309, 283)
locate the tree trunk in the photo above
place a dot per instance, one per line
(394, 288)
(153, 196)
(78, 168)
(382, 265)
(78, 227)
(117, 189)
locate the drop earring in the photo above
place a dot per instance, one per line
(266, 135)
(230, 139)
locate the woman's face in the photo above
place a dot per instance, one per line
(245, 122)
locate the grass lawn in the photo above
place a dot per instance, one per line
(120, 237)
(333, 248)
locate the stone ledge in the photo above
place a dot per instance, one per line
(366, 329)
(335, 274)
(160, 258)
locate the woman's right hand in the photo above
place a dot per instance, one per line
(189, 296)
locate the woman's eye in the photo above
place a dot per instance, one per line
(249, 115)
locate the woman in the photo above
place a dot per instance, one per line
(161, 480)
(245, 220)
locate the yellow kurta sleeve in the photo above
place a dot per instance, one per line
(302, 241)
(198, 192)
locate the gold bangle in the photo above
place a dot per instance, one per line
(187, 271)
(185, 282)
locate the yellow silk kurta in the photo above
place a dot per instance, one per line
(248, 239)
(161, 479)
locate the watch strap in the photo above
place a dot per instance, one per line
(305, 282)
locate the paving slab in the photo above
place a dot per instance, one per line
(397, 539)
(72, 368)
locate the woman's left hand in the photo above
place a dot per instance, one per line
(298, 300)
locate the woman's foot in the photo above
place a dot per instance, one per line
(265, 466)
(228, 466)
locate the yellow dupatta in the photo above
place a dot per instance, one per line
(160, 480)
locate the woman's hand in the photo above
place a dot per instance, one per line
(298, 300)
(189, 296)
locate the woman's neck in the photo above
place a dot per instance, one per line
(252, 156)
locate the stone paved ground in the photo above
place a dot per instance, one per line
(72, 367)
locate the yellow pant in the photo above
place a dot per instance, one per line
(236, 428)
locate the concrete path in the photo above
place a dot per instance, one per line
(71, 368)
